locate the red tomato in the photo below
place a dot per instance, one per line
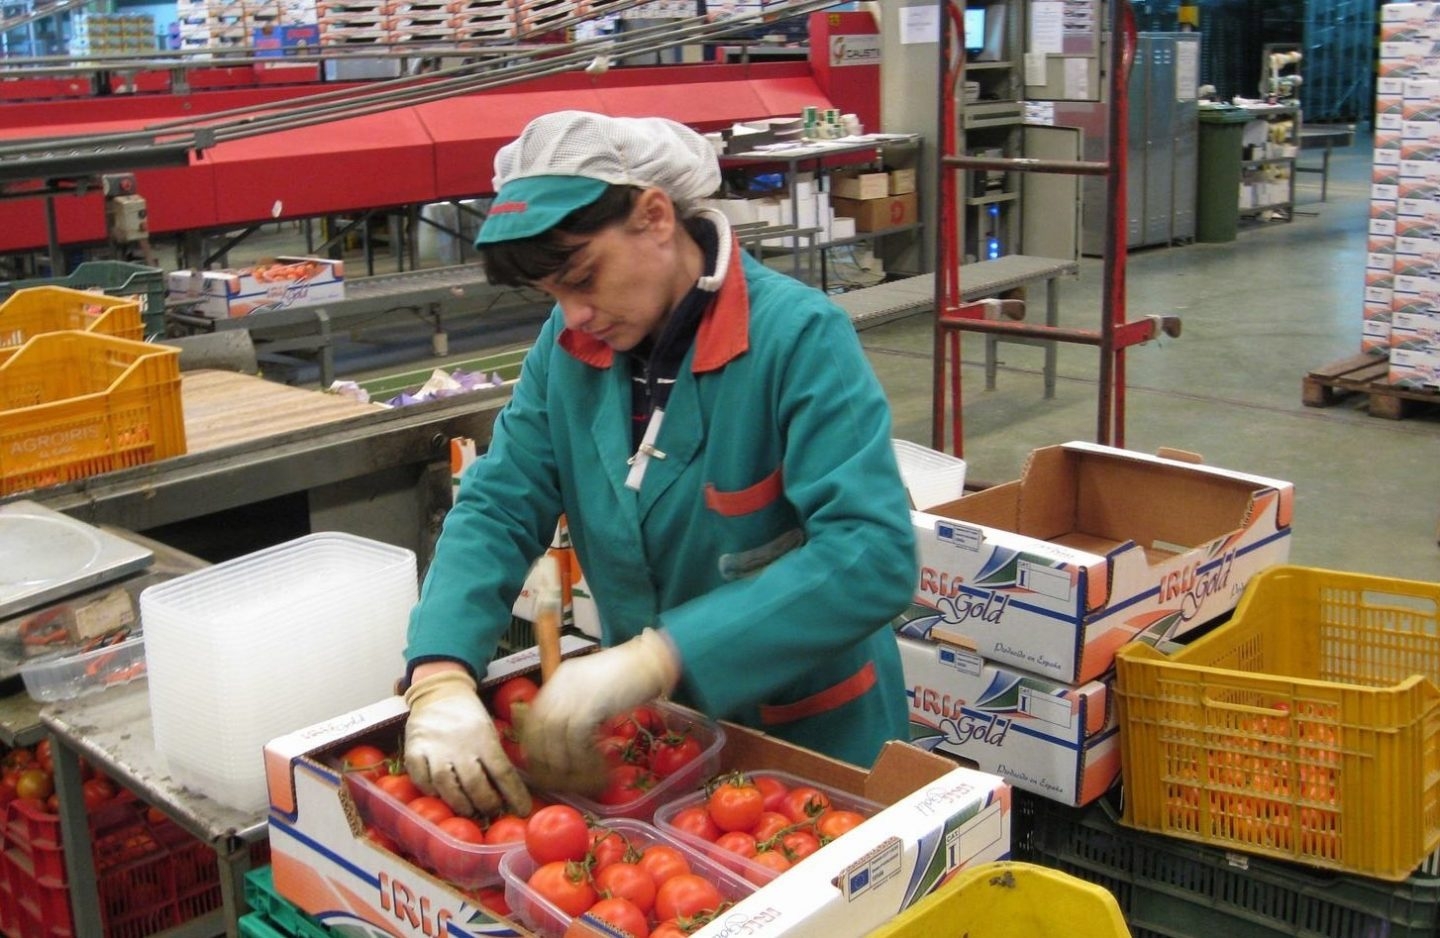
(492, 898)
(510, 742)
(516, 690)
(695, 820)
(369, 761)
(506, 829)
(774, 864)
(797, 845)
(663, 861)
(805, 803)
(564, 883)
(686, 896)
(557, 832)
(627, 881)
(607, 847)
(381, 839)
(833, 823)
(95, 792)
(737, 842)
(672, 752)
(463, 829)
(641, 723)
(624, 784)
(400, 787)
(43, 756)
(7, 792)
(774, 791)
(668, 929)
(770, 824)
(622, 914)
(17, 758)
(735, 804)
(430, 808)
(619, 750)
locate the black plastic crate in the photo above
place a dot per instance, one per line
(1170, 888)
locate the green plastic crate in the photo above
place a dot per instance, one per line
(272, 915)
(115, 278)
(1171, 888)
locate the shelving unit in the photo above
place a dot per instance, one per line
(991, 123)
(821, 157)
(1268, 169)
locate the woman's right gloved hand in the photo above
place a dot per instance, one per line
(453, 750)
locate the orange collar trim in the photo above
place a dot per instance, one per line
(724, 333)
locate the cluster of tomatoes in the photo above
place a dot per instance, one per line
(639, 748)
(27, 774)
(647, 889)
(764, 821)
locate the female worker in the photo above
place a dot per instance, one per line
(721, 448)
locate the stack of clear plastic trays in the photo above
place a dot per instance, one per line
(268, 643)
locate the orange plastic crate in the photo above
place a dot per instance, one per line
(34, 310)
(1306, 728)
(75, 404)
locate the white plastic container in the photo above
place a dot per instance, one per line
(931, 477)
(265, 644)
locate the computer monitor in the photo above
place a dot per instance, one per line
(975, 29)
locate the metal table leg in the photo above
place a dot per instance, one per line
(1052, 319)
(75, 840)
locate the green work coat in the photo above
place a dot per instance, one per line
(772, 541)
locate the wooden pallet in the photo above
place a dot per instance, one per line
(1364, 374)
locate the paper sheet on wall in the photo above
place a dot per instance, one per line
(1035, 68)
(1187, 70)
(1040, 112)
(1077, 79)
(1047, 26)
(919, 25)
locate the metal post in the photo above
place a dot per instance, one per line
(52, 234)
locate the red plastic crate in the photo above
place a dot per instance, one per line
(150, 874)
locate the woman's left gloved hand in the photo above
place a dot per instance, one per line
(558, 728)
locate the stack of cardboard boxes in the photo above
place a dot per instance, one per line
(1402, 277)
(876, 200)
(1027, 589)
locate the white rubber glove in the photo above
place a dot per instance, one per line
(558, 728)
(453, 750)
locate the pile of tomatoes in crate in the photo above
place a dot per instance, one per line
(27, 774)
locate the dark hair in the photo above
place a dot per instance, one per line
(523, 261)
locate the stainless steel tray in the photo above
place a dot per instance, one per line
(45, 555)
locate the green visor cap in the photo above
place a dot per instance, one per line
(532, 205)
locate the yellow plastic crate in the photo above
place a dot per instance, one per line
(74, 404)
(29, 312)
(1306, 728)
(1010, 900)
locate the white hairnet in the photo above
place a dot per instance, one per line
(637, 151)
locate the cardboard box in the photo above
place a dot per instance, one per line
(1060, 741)
(902, 181)
(941, 818)
(280, 283)
(1091, 547)
(855, 185)
(878, 214)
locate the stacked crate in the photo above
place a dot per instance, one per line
(112, 32)
(1402, 277)
(227, 24)
(354, 22)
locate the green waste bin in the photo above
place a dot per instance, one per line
(1217, 205)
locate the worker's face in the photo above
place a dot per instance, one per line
(622, 282)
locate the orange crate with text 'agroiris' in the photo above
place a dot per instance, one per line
(1306, 728)
(75, 404)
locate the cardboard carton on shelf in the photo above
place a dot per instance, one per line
(940, 818)
(893, 211)
(859, 185)
(1092, 547)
